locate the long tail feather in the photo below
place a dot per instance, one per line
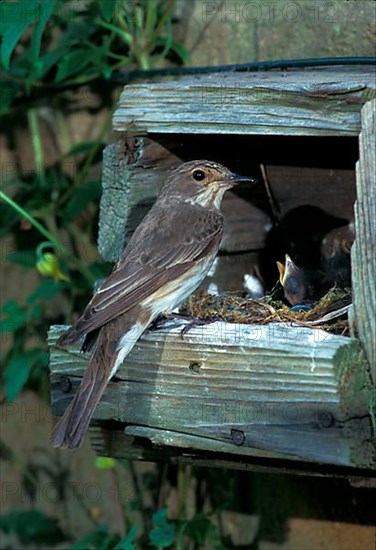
(114, 342)
(70, 430)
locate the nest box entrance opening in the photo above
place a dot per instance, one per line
(302, 205)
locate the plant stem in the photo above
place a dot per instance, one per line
(183, 483)
(63, 131)
(143, 60)
(50, 237)
(32, 117)
(57, 244)
(169, 7)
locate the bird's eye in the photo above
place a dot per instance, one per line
(198, 175)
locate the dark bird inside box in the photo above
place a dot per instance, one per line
(305, 194)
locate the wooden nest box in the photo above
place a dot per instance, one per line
(273, 396)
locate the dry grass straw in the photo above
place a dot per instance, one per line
(330, 313)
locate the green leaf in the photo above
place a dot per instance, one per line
(163, 534)
(45, 12)
(180, 51)
(26, 258)
(81, 197)
(10, 306)
(126, 36)
(50, 59)
(200, 528)
(73, 63)
(202, 531)
(80, 148)
(127, 542)
(16, 318)
(18, 369)
(107, 8)
(8, 93)
(107, 71)
(139, 15)
(32, 526)
(98, 539)
(151, 17)
(15, 18)
(35, 313)
(46, 290)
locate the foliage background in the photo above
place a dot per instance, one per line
(58, 60)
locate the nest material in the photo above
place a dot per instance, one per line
(330, 313)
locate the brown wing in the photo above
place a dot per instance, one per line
(163, 248)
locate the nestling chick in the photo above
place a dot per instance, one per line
(293, 281)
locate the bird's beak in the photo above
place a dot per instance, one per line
(286, 269)
(281, 269)
(237, 179)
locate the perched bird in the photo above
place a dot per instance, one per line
(166, 259)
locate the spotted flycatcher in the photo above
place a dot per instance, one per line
(166, 259)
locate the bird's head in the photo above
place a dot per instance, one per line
(202, 182)
(292, 280)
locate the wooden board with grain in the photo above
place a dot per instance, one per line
(272, 391)
(364, 250)
(312, 102)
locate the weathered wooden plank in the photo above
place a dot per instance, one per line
(317, 102)
(271, 390)
(115, 443)
(363, 254)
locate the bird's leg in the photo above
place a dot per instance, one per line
(165, 318)
(199, 322)
(193, 321)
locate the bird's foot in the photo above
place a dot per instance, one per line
(166, 318)
(198, 322)
(193, 322)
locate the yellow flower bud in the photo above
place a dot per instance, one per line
(48, 266)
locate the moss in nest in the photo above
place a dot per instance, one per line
(236, 308)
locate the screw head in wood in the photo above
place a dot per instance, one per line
(194, 367)
(65, 384)
(237, 437)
